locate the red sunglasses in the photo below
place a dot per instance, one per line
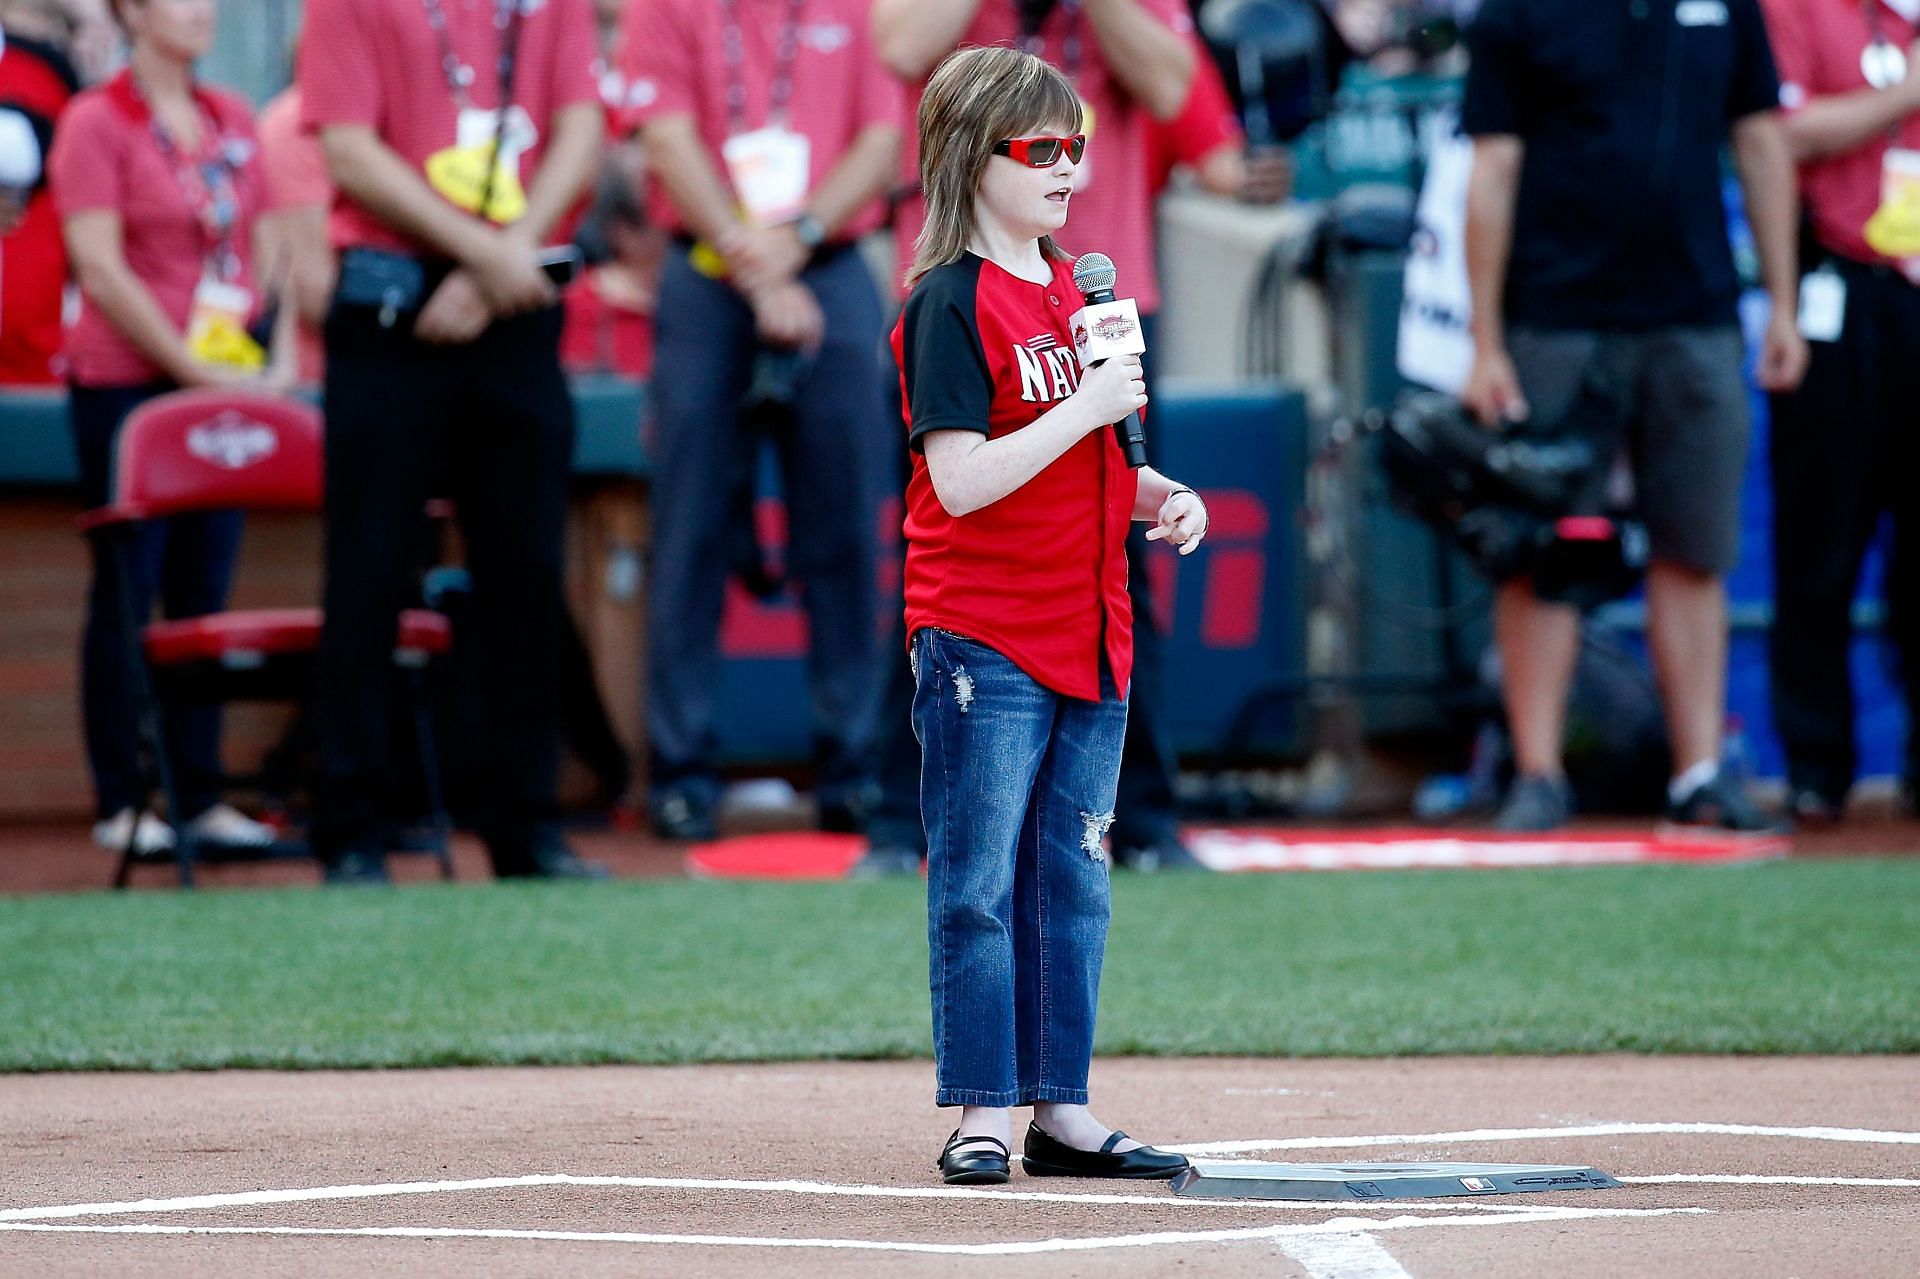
(1038, 153)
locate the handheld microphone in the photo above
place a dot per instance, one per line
(1106, 327)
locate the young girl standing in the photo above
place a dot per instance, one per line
(1018, 618)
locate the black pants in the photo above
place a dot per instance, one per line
(829, 452)
(492, 421)
(187, 562)
(1845, 449)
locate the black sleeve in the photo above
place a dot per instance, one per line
(1756, 81)
(1494, 98)
(948, 385)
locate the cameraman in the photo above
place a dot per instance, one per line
(1843, 444)
(1598, 257)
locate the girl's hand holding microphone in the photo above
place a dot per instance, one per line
(1111, 390)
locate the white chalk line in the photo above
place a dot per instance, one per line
(1336, 1226)
(40, 1219)
(1760, 1179)
(256, 1198)
(1355, 1256)
(1862, 1136)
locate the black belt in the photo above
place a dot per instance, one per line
(386, 282)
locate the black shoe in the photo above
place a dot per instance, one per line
(1723, 804)
(974, 1167)
(1535, 804)
(545, 859)
(890, 861)
(681, 813)
(354, 870)
(1813, 808)
(1047, 1156)
(844, 810)
(1165, 854)
(419, 837)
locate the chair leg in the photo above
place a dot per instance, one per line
(430, 773)
(124, 874)
(147, 723)
(183, 840)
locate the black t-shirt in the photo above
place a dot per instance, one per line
(1624, 106)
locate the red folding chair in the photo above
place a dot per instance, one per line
(216, 451)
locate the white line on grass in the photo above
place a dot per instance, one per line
(256, 1198)
(1355, 1256)
(1863, 1136)
(1337, 1226)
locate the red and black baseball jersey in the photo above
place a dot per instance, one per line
(1040, 575)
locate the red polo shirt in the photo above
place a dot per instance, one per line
(37, 80)
(1113, 198)
(1040, 575)
(1206, 123)
(676, 59)
(105, 156)
(1817, 46)
(377, 63)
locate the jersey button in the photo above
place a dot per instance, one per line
(1051, 298)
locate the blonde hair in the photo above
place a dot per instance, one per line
(976, 99)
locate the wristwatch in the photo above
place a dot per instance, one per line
(810, 231)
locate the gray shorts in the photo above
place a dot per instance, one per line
(1681, 405)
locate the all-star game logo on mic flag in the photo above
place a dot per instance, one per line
(1106, 326)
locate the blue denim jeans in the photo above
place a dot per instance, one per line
(1017, 788)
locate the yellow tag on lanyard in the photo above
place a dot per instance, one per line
(460, 172)
(1894, 228)
(217, 327)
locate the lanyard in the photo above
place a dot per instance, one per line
(1033, 17)
(460, 76)
(211, 185)
(733, 48)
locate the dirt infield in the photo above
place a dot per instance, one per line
(692, 1171)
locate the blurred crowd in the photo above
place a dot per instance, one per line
(733, 182)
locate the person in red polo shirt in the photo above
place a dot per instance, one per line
(38, 82)
(163, 201)
(1208, 140)
(1131, 62)
(1843, 447)
(772, 130)
(1020, 627)
(457, 133)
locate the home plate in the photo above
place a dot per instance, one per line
(1401, 848)
(1351, 1182)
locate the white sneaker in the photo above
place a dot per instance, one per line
(153, 836)
(225, 826)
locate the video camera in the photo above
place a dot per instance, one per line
(1525, 501)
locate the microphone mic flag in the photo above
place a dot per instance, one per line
(1104, 328)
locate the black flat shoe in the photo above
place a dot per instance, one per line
(975, 1167)
(1047, 1156)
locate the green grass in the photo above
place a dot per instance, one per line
(1783, 957)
